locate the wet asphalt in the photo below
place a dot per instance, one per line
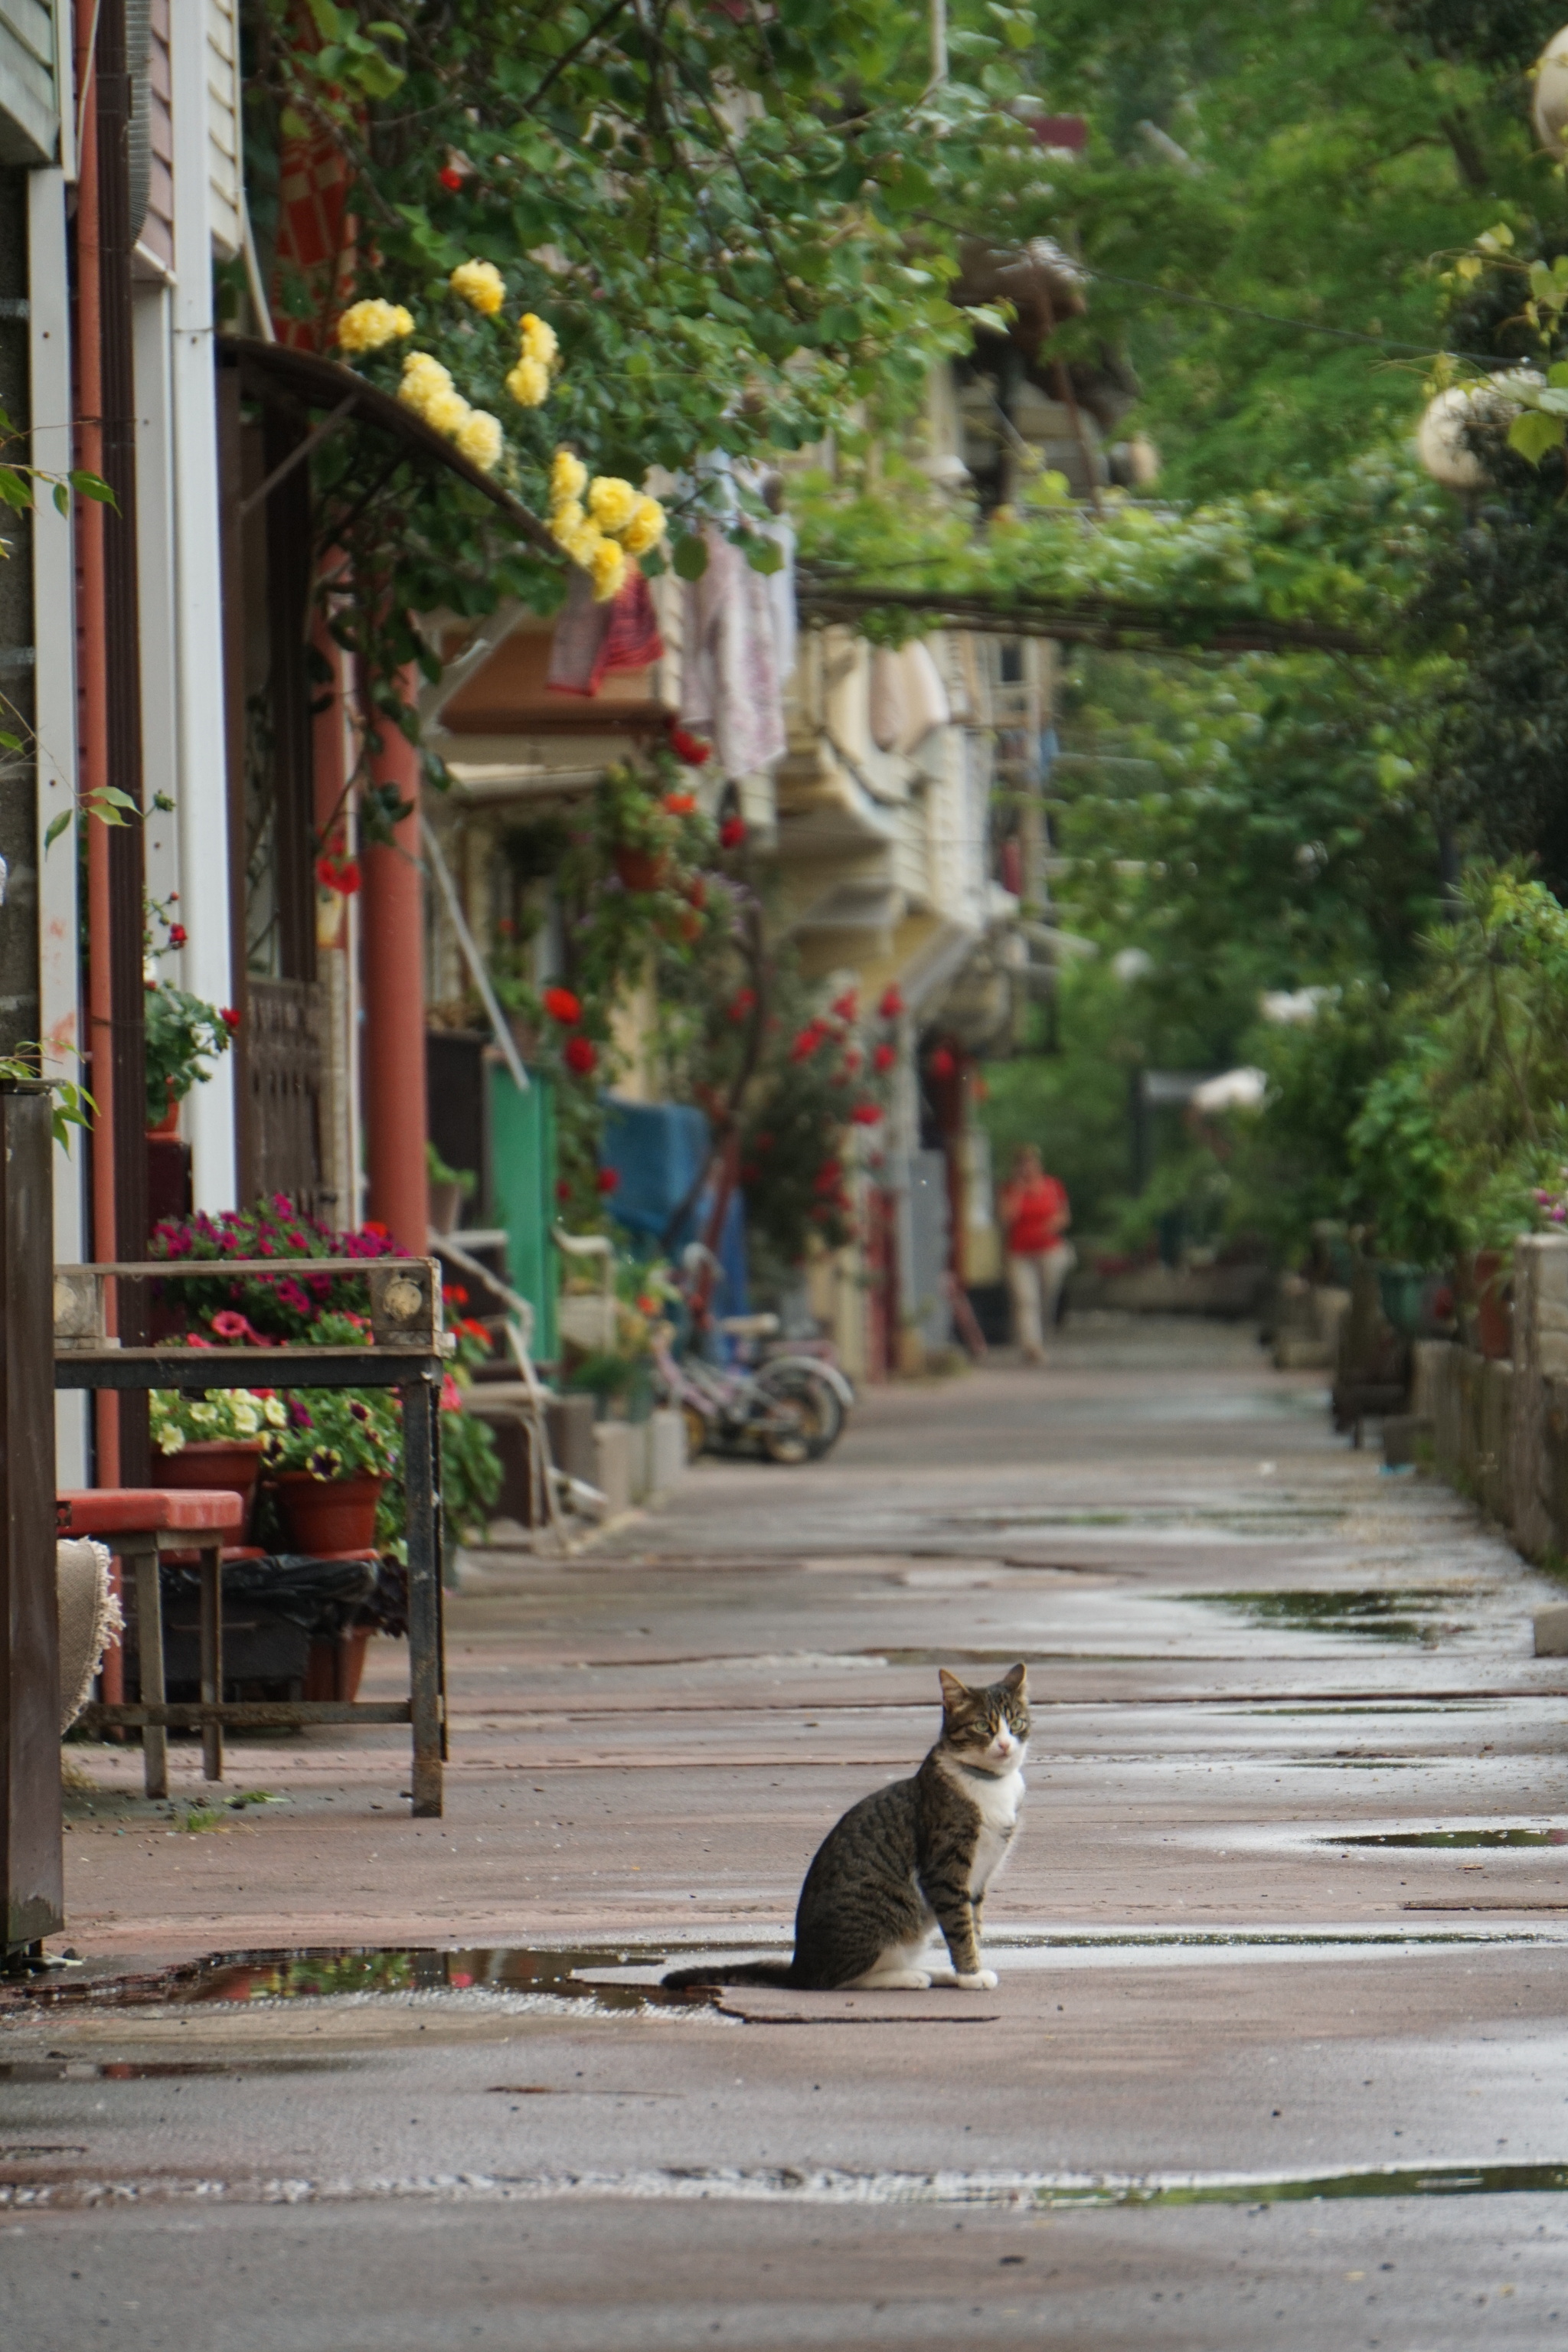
(1277, 2054)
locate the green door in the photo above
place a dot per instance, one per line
(522, 1159)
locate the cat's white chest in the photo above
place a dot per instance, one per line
(997, 1800)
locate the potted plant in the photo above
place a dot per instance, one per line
(449, 1187)
(180, 1029)
(329, 1459)
(213, 1441)
(644, 832)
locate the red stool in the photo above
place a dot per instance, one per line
(140, 1523)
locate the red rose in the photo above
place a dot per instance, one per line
(688, 749)
(680, 804)
(885, 1056)
(339, 874)
(606, 1180)
(942, 1064)
(562, 1006)
(742, 1003)
(450, 177)
(733, 832)
(177, 935)
(892, 1006)
(580, 1055)
(374, 1225)
(806, 1045)
(845, 1006)
(562, 1189)
(229, 1018)
(866, 1114)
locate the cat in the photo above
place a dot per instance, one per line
(912, 1857)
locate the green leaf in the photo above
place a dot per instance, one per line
(57, 826)
(378, 77)
(12, 743)
(1533, 434)
(689, 556)
(62, 498)
(761, 554)
(15, 492)
(92, 486)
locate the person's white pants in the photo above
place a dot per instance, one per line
(1036, 1279)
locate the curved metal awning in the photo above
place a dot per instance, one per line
(315, 383)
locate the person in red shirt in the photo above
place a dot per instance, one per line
(1036, 1214)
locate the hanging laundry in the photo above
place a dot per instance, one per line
(730, 685)
(592, 639)
(907, 698)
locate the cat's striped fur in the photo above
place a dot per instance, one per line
(909, 1859)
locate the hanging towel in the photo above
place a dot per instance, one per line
(592, 639)
(730, 688)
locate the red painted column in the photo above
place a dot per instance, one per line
(392, 981)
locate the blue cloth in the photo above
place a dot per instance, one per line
(657, 1152)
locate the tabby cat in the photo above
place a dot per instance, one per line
(911, 1858)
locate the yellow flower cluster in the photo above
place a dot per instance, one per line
(539, 357)
(366, 326)
(427, 389)
(481, 283)
(615, 522)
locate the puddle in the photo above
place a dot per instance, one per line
(1432, 2181)
(1015, 2192)
(1454, 1837)
(355, 1970)
(120, 2070)
(1407, 1613)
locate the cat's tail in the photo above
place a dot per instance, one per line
(731, 1972)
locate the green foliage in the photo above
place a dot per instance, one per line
(69, 1105)
(180, 1029)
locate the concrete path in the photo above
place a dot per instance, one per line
(1253, 2076)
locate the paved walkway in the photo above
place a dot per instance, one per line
(1253, 1655)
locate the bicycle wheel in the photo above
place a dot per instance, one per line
(804, 1415)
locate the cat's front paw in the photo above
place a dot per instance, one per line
(982, 1980)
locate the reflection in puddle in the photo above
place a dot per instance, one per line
(321, 1973)
(122, 2069)
(1401, 1614)
(1431, 2180)
(1454, 1837)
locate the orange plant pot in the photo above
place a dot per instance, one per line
(330, 1515)
(642, 869)
(230, 1462)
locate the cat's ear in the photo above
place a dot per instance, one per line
(1014, 1678)
(952, 1690)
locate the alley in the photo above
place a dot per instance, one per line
(1230, 1981)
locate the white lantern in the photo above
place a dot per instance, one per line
(1549, 110)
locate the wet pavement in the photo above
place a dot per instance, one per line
(1277, 2051)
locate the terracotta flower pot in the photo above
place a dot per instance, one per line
(330, 1515)
(170, 1122)
(642, 869)
(232, 1463)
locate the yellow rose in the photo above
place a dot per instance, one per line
(611, 502)
(366, 326)
(568, 477)
(608, 566)
(646, 528)
(447, 413)
(539, 339)
(566, 518)
(424, 379)
(528, 383)
(584, 544)
(480, 440)
(481, 283)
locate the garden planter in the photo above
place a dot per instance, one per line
(642, 869)
(170, 1122)
(329, 1515)
(336, 1666)
(230, 1463)
(445, 1207)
